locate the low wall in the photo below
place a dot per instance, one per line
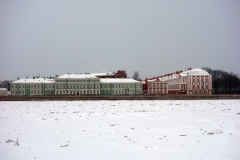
(140, 97)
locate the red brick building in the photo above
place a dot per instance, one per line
(191, 82)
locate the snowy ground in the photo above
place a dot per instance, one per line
(184, 129)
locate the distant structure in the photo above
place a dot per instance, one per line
(191, 82)
(3, 92)
(78, 84)
(5, 84)
(119, 74)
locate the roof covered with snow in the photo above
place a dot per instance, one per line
(103, 74)
(3, 89)
(193, 72)
(118, 80)
(36, 80)
(77, 76)
(84, 75)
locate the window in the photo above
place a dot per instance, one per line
(206, 86)
(193, 87)
(193, 80)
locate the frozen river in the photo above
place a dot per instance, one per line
(181, 129)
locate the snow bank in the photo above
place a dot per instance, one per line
(204, 129)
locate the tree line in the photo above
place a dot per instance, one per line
(224, 82)
(5, 84)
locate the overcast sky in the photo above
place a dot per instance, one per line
(154, 37)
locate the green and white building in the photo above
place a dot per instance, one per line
(79, 84)
(33, 87)
(120, 86)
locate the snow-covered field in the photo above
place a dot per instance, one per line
(184, 129)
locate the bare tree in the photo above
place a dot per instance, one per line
(224, 82)
(136, 76)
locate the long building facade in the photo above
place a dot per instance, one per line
(79, 84)
(191, 82)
